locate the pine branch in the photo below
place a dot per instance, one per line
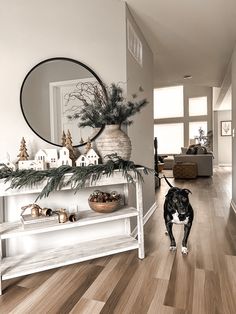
(54, 179)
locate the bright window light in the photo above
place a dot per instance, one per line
(168, 102)
(198, 106)
(170, 137)
(195, 126)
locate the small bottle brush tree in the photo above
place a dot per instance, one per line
(69, 146)
(63, 139)
(99, 109)
(23, 155)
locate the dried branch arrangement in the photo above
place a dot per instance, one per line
(100, 108)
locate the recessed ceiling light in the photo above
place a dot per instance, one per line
(187, 77)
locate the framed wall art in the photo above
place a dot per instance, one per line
(226, 129)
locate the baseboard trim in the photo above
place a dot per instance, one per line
(233, 205)
(225, 165)
(145, 219)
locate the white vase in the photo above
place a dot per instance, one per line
(113, 140)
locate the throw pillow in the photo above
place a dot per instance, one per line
(192, 149)
(201, 150)
(184, 150)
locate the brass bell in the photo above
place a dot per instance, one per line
(46, 211)
(72, 218)
(35, 211)
(62, 215)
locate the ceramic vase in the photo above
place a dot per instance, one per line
(113, 140)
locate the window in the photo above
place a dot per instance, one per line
(168, 102)
(134, 44)
(176, 117)
(170, 137)
(197, 106)
(194, 128)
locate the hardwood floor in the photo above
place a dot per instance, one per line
(164, 282)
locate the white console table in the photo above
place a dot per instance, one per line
(20, 265)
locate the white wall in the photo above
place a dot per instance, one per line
(224, 142)
(141, 131)
(234, 125)
(91, 31)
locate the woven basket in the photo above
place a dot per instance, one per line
(107, 207)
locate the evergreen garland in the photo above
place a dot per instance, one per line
(55, 178)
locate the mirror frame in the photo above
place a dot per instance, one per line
(65, 59)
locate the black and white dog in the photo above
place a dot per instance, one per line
(178, 210)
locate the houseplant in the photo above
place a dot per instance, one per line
(110, 109)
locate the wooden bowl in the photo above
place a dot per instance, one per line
(104, 207)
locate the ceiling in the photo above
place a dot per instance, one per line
(188, 37)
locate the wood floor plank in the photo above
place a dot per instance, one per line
(198, 292)
(158, 299)
(180, 287)
(115, 296)
(11, 298)
(104, 284)
(228, 284)
(64, 289)
(142, 281)
(204, 249)
(32, 282)
(212, 293)
(85, 306)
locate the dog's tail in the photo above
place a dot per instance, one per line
(167, 181)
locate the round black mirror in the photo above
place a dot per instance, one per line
(44, 100)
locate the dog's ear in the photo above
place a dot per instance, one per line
(187, 191)
(169, 195)
(171, 192)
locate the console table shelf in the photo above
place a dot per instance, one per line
(21, 265)
(14, 229)
(97, 246)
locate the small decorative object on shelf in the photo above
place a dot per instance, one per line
(104, 202)
(72, 217)
(35, 210)
(73, 153)
(45, 216)
(38, 216)
(63, 139)
(6, 162)
(90, 157)
(62, 215)
(46, 212)
(41, 221)
(23, 155)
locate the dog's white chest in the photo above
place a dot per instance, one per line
(176, 220)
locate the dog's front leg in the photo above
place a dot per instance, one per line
(187, 229)
(169, 226)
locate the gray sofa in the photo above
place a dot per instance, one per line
(204, 162)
